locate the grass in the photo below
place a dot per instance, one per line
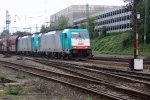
(3, 94)
(13, 89)
(114, 44)
(20, 75)
(88, 98)
(3, 75)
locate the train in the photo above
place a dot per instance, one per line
(66, 43)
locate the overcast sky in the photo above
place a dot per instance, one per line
(28, 13)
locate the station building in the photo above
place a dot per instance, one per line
(115, 20)
(78, 11)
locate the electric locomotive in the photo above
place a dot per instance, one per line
(76, 42)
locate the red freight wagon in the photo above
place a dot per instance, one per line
(1, 44)
(3, 47)
(13, 43)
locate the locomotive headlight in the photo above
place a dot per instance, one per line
(74, 47)
(87, 47)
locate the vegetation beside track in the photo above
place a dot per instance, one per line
(118, 44)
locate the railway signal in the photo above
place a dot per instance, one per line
(7, 34)
(136, 64)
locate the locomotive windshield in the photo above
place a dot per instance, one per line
(79, 35)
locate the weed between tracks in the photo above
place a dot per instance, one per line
(88, 98)
(2, 78)
(20, 75)
(13, 89)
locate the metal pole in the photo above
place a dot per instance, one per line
(7, 21)
(87, 16)
(7, 30)
(145, 25)
(30, 29)
(36, 28)
(135, 29)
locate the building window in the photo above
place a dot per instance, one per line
(119, 11)
(119, 26)
(125, 26)
(111, 20)
(117, 19)
(123, 10)
(128, 17)
(103, 16)
(128, 25)
(109, 14)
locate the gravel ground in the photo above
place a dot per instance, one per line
(52, 90)
(146, 70)
(116, 56)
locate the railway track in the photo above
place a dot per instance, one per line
(45, 74)
(77, 70)
(111, 62)
(121, 62)
(126, 60)
(88, 84)
(146, 62)
(136, 77)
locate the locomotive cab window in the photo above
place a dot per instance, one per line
(79, 35)
(65, 35)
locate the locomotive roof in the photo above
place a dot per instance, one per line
(52, 32)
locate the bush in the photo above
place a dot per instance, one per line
(88, 98)
(13, 89)
(126, 42)
(103, 32)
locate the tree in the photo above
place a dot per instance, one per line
(52, 26)
(62, 22)
(141, 10)
(44, 29)
(148, 22)
(133, 6)
(91, 27)
(21, 33)
(103, 32)
(4, 33)
(82, 25)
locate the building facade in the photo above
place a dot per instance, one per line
(114, 20)
(74, 12)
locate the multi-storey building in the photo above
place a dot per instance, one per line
(115, 20)
(78, 11)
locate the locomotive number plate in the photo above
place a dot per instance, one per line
(80, 44)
